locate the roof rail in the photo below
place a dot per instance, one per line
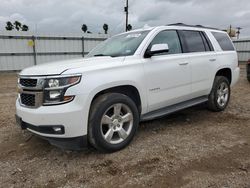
(186, 25)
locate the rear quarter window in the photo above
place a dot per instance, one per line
(224, 41)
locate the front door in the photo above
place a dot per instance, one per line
(168, 75)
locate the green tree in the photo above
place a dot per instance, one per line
(9, 26)
(105, 28)
(129, 27)
(25, 28)
(17, 25)
(84, 28)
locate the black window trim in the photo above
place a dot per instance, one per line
(207, 48)
(163, 31)
(208, 41)
(178, 34)
(182, 41)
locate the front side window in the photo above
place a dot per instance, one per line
(224, 41)
(120, 45)
(193, 41)
(168, 37)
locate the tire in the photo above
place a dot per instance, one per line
(221, 89)
(248, 72)
(111, 129)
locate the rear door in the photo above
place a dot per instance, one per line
(201, 57)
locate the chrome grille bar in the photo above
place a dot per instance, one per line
(30, 91)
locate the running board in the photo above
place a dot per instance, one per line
(173, 108)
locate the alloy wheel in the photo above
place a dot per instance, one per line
(117, 123)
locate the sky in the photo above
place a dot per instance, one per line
(67, 16)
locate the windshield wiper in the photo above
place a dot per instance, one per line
(99, 55)
(96, 55)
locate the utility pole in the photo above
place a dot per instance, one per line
(238, 32)
(230, 30)
(126, 11)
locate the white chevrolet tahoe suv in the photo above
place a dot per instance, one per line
(131, 77)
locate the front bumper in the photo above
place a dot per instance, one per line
(74, 143)
(72, 118)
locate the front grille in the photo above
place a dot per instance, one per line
(28, 82)
(28, 99)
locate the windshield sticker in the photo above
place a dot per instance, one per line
(128, 51)
(135, 35)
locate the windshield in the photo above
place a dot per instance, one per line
(120, 45)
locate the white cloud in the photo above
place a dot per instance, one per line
(68, 16)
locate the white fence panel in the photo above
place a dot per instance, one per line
(19, 50)
(91, 44)
(12, 45)
(15, 62)
(243, 49)
(45, 59)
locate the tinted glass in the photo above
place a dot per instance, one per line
(194, 42)
(224, 41)
(120, 45)
(168, 37)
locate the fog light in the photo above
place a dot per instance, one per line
(57, 129)
(54, 94)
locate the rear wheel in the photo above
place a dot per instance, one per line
(113, 122)
(220, 94)
(248, 71)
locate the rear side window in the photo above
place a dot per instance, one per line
(193, 41)
(224, 41)
(169, 37)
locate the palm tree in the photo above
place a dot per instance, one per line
(129, 27)
(25, 28)
(17, 25)
(9, 26)
(105, 28)
(84, 28)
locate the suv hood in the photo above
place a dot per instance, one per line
(58, 67)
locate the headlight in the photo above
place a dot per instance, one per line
(55, 88)
(53, 83)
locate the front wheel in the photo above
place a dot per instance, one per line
(248, 71)
(220, 94)
(113, 122)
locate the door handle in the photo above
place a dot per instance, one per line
(183, 63)
(212, 60)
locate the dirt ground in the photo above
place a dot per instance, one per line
(191, 148)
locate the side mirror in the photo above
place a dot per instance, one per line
(157, 49)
